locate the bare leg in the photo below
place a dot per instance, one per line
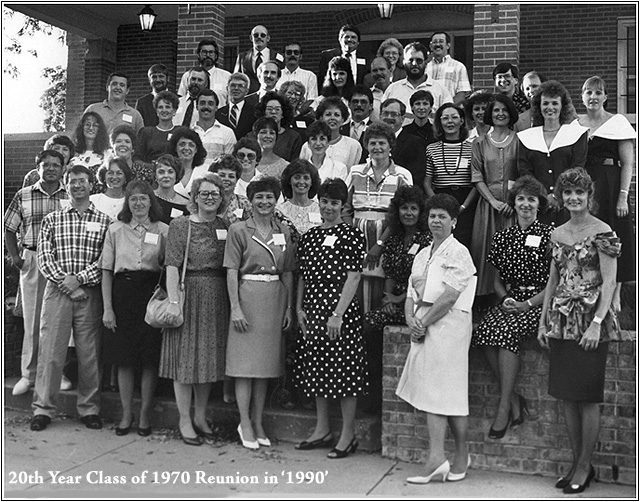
(437, 425)
(459, 426)
(509, 365)
(615, 301)
(322, 420)
(183, 401)
(147, 394)
(228, 390)
(201, 392)
(348, 408)
(259, 397)
(125, 382)
(573, 421)
(243, 399)
(590, 422)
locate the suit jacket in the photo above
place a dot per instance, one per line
(328, 55)
(345, 130)
(410, 152)
(244, 64)
(145, 106)
(245, 121)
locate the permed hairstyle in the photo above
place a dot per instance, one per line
(574, 177)
(334, 188)
(443, 201)
(185, 132)
(228, 163)
(167, 96)
(287, 111)
(207, 177)
(379, 130)
(506, 101)
(528, 185)
(140, 187)
(332, 102)
(405, 195)
(553, 89)
(264, 184)
(300, 166)
(124, 129)
(62, 139)
(329, 89)
(476, 98)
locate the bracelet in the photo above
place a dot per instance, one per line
(462, 207)
(530, 304)
(597, 320)
(624, 191)
(335, 314)
(173, 303)
(503, 299)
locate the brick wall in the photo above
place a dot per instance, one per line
(76, 51)
(540, 445)
(100, 62)
(195, 22)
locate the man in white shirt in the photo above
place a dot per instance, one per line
(217, 139)
(415, 64)
(187, 114)
(248, 61)
(381, 75)
(292, 71)
(446, 70)
(208, 53)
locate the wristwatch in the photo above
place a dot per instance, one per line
(380, 242)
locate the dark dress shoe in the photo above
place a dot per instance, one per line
(123, 431)
(91, 422)
(207, 435)
(196, 441)
(324, 442)
(144, 431)
(40, 422)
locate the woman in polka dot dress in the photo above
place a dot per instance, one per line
(520, 253)
(331, 359)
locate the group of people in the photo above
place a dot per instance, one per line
(274, 208)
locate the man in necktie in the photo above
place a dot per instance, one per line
(238, 113)
(349, 39)
(360, 105)
(187, 114)
(249, 61)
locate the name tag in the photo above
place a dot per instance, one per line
(413, 250)
(533, 241)
(510, 184)
(169, 136)
(301, 124)
(279, 240)
(315, 218)
(330, 240)
(127, 118)
(64, 203)
(93, 226)
(361, 61)
(175, 212)
(279, 57)
(151, 238)
(464, 163)
(239, 212)
(221, 234)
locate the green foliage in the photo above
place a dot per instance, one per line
(53, 99)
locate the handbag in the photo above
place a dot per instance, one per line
(156, 314)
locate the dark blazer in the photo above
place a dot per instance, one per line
(245, 121)
(345, 130)
(328, 55)
(145, 106)
(246, 67)
(410, 152)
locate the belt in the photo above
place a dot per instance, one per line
(30, 248)
(261, 277)
(370, 215)
(138, 275)
(453, 187)
(527, 288)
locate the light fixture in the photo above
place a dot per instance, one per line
(147, 17)
(386, 9)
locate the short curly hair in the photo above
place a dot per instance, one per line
(443, 201)
(249, 144)
(332, 102)
(287, 111)
(506, 101)
(476, 98)
(227, 162)
(207, 177)
(124, 129)
(379, 130)
(121, 163)
(167, 96)
(334, 188)
(190, 134)
(299, 166)
(169, 161)
(437, 122)
(265, 123)
(317, 128)
(553, 89)
(263, 184)
(528, 185)
(574, 177)
(406, 195)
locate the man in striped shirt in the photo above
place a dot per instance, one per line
(24, 215)
(69, 248)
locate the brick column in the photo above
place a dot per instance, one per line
(496, 38)
(76, 51)
(100, 61)
(195, 22)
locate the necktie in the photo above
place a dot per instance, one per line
(233, 117)
(186, 122)
(356, 130)
(258, 60)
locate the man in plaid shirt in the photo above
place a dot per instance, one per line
(24, 215)
(69, 249)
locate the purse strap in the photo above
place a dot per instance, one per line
(186, 256)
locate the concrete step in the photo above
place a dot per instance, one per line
(284, 425)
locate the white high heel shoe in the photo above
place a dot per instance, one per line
(251, 445)
(453, 476)
(442, 471)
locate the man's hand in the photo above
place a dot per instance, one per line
(69, 284)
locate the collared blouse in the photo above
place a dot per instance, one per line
(134, 246)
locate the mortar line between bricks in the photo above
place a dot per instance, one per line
(382, 477)
(87, 461)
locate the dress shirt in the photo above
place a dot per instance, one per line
(450, 73)
(403, 90)
(28, 208)
(134, 246)
(353, 60)
(305, 77)
(113, 118)
(218, 79)
(70, 243)
(217, 140)
(182, 110)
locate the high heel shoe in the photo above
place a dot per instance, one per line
(443, 471)
(195, 441)
(323, 442)
(251, 445)
(499, 434)
(123, 431)
(524, 410)
(576, 488)
(207, 435)
(459, 476)
(351, 448)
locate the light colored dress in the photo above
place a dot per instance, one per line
(435, 377)
(107, 205)
(302, 217)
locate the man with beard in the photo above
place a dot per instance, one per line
(187, 114)
(360, 104)
(158, 80)
(505, 77)
(292, 70)
(409, 151)
(114, 110)
(239, 115)
(349, 39)
(217, 139)
(268, 76)
(446, 70)
(208, 53)
(381, 75)
(249, 61)
(415, 63)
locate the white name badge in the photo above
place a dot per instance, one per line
(127, 118)
(279, 57)
(64, 203)
(510, 184)
(279, 240)
(93, 226)
(415, 247)
(533, 241)
(301, 124)
(315, 218)
(464, 163)
(361, 61)
(175, 212)
(221, 234)
(169, 136)
(151, 238)
(330, 240)
(238, 212)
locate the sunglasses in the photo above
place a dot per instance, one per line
(293, 52)
(249, 156)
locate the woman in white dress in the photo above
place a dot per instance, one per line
(114, 176)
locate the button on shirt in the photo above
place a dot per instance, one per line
(72, 244)
(28, 208)
(113, 118)
(134, 246)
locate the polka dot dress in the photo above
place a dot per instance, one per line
(522, 259)
(330, 368)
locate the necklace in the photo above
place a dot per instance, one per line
(444, 159)
(165, 130)
(168, 199)
(502, 141)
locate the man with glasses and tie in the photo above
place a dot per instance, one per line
(292, 71)
(238, 114)
(208, 53)
(249, 61)
(349, 38)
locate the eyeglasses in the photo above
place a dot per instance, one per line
(273, 109)
(248, 156)
(393, 115)
(208, 53)
(139, 198)
(78, 182)
(291, 94)
(206, 195)
(259, 35)
(237, 86)
(293, 52)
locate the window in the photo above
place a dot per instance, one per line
(231, 45)
(627, 67)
